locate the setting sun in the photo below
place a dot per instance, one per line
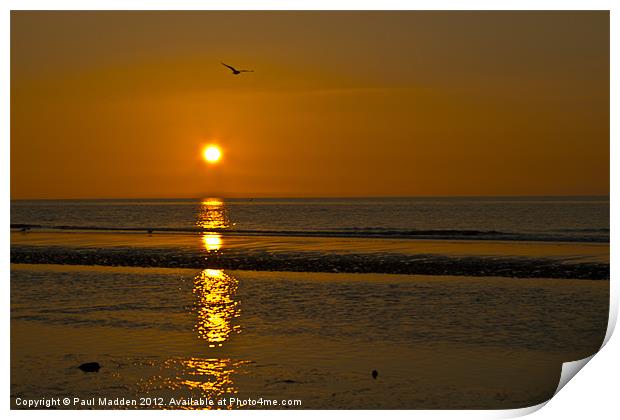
(212, 154)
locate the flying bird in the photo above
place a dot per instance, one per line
(235, 71)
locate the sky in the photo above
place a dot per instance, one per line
(120, 104)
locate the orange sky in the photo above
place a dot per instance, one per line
(119, 104)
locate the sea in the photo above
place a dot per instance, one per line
(571, 219)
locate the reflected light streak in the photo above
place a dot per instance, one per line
(216, 309)
(212, 214)
(212, 241)
(211, 377)
(196, 377)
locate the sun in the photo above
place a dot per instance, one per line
(212, 154)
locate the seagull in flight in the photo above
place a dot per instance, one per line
(235, 71)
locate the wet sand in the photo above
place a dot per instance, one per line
(436, 341)
(566, 251)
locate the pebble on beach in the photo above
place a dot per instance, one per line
(90, 367)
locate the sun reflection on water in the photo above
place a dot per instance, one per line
(191, 378)
(210, 376)
(212, 241)
(197, 377)
(212, 215)
(216, 309)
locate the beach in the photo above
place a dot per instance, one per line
(435, 341)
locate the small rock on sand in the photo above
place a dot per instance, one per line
(90, 367)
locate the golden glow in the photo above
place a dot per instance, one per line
(217, 314)
(215, 306)
(212, 202)
(212, 241)
(213, 273)
(207, 378)
(212, 377)
(212, 214)
(212, 154)
(317, 128)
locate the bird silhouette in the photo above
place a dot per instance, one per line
(235, 71)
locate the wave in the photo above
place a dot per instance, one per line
(314, 261)
(560, 235)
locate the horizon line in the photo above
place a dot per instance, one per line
(295, 197)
